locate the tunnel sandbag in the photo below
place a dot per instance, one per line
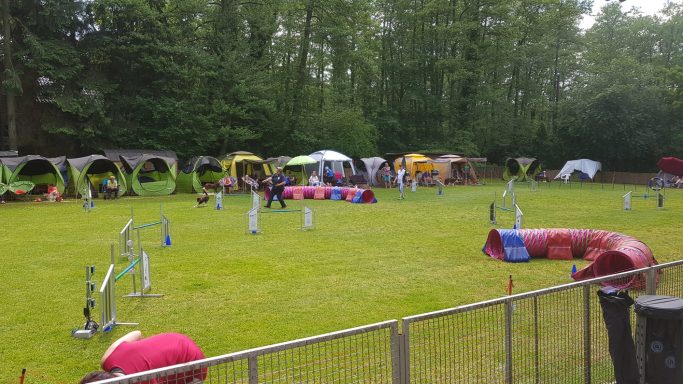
(506, 245)
(355, 195)
(610, 252)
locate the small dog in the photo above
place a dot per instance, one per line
(204, 199)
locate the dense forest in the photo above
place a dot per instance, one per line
(489, 78)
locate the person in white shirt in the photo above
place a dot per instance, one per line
(314, 180)
(399, 181)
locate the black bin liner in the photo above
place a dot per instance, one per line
(617, 316)
(663, 343)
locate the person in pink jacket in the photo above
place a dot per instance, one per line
(132, 354)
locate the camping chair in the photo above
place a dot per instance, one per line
(21, 189)
(565, 178)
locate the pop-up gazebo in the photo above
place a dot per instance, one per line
(589, 167)
(373, 165)
(240, 163)
(92, 171)
(338, 162)
(521, 168)
(36, 169)
(197, 171)
(149, 175)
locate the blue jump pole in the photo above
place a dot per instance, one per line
(147, 225)
(128, 268)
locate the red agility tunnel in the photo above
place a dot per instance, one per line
(354, 195)
(610, 252)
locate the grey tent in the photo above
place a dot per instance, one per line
(36, 169)
(373, 165)
(92, 171)
(149, 175)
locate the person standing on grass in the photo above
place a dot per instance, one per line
(133, 354)
(400, 176)
(386, 175)
(278, 181)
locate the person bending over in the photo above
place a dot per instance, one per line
(133, 354)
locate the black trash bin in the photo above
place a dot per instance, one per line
(659, 338)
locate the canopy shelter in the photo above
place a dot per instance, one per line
(414, 163)
(337, 162)
(372, 166)
(279, 161)
(240, 163)
(671, 165)
(297, 167)
(586, 166)
(457, 169)
(521, 168)
(149, 175)
(115, 154)
(88, 171)
(198, 171)
(36, 169)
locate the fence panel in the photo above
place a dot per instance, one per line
(357, 355)
(554, 335)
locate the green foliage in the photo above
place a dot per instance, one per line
(494, 79)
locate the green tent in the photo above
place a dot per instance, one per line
(92, 171)
(521, 168)
(197, 171)
(149, 175)
(36, 169)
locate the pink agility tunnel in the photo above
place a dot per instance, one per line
(610, 252)
(354, 195)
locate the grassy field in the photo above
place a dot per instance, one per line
(230, 291)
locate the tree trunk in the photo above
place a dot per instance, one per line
(9, 69)
(302, 74)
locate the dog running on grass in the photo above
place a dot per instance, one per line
(203, 199)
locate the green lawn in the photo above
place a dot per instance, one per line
(231, 291)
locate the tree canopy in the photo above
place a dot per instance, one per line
(492, 78)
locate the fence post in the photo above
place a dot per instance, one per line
(508, 340)
(651, 281)
(396, 355)
(586, 334)
(404, 352)
(253, 370)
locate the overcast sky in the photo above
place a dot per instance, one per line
(646, 6)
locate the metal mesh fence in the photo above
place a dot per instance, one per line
(358, 355)
(554, 335)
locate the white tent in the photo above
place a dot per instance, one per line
(372, 165)
(334, 160)
(586, 166)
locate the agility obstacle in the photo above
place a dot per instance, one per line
(108, 302)
(90, 326)
(141, 259)
(628, 200)
(493, 207)
(609, 252)
(254, 221)
(125, 235)
(254, 216)
(219, 200)
(353, 195)
(88, 203)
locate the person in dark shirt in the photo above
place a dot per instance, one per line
(278, 180)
